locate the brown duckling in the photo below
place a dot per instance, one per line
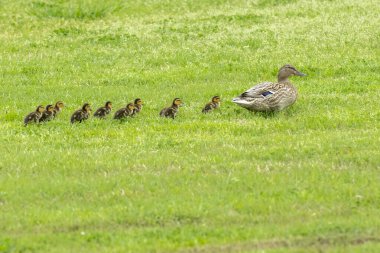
(125, 112)
(214, 104)
(138, 106)
(48, 114)
(171, 112)
(102, 112)
(58, 108)
(34, 116)
(82, 114)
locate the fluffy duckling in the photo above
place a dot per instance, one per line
(58, 108)
(214, 104)
(138, 106)
(125, 112)
(102, 112)
(171, 112)
(48, 114)
(34, 116)
(82, 114)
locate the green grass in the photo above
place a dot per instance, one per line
(302, 180)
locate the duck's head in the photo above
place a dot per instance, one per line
(108, 105)
(138, 101)
(40, 108)
(215, 99)
(86, 107)
(287, 71)
(49, 108)
(59, 104)
(177, 102)
(130, 106)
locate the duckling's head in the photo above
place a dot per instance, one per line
(59, 104)
(40, 108)
(109, 104)
(138, 101)
(131, 106)
(215, 99)
(49, 108)
(287, 71)
(86, 107)
(177, 102)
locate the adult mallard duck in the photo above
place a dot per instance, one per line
(102, 112)
(82, 114)
(171, 111)
(268, 97)
(138, 103)
(58, 108)
(34, 116)
(124, 112)
(48, 114)
(214, 104)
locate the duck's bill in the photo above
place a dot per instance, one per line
(300, 74)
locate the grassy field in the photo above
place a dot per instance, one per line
(303, 180)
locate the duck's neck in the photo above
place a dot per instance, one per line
(283, 79)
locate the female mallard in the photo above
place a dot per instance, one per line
(171, 112)
(81, 114)
(138, 106)
(58, 108)
(48, 114)
(34, 116)
(214, 104)
(102, 112)
(124, 112)
(268, 97)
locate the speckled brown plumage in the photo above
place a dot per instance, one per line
(124, 112)
(267, 97)
(81, 114)
(58, 108)
(102, 112)
(214, 104)
(138, 103)
(171, 111)
(34, 116)
(48, 114)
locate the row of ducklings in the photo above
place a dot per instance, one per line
(42, 114)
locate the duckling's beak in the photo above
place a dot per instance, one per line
(300, 74)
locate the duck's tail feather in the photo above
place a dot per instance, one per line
(240, 101)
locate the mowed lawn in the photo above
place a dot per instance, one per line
(303, 180)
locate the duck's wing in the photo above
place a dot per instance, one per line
(77, 116)
(207, 108)
(100, 112)
(119, 114)
(45, 116)
(28, 118)
(259, 91)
